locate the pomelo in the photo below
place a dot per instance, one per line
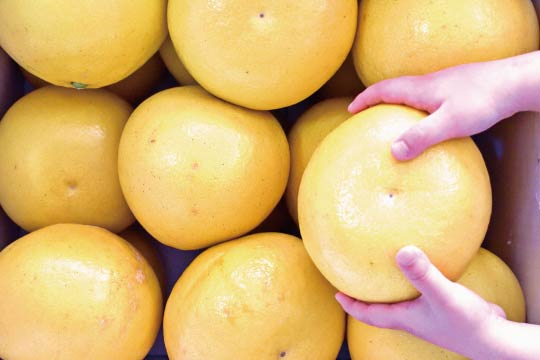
(415, 37)
(258, 54)
(257, 297)
(357, 205)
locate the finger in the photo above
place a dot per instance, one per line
(432, 130)
(408, 90)
(423, 275)
(498, 310)
(390, 316)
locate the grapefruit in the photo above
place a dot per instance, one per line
(257, 297)
(415, 37)
(259, 54)
(357, 205)
(76, 292)
(196, 170)
(83, 44)
(59, 159)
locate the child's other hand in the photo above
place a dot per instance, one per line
(446, 314)
(463, 100)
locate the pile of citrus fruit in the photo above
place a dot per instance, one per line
(106, 159)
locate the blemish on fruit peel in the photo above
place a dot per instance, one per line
(139, 275)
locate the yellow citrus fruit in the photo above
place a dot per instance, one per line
(59, 158)
(345, 82)
(174, 64)
(357, 205)
(487, 275)
(88, 43)
(196, 170)
(305, 135)
(146, 245)
(76, 292)
(259, 54)
(257, 297)
(133, 88)
(415, 37)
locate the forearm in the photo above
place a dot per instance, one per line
(522, 81)
(507, 340)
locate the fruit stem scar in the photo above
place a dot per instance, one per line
(79, 86)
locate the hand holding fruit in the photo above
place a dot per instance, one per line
(463, 100)
(446, 314)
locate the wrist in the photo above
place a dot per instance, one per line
(521, 83)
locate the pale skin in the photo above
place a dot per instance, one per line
(462, 101)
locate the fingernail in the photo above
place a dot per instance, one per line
(407, 255)
(400, 149)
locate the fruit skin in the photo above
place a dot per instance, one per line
(358, 206)
(76, 292)
(88, 43)
(486, 275)
(174, 64)
(259, 54)
(196, 170)
(58, 159)
(133, 89)
(305, 135)
(257, 297)
(415, 37)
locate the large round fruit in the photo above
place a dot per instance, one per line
(305, 135)
(196, 170)
(358, 206)
(487, 275)
(260, 54)
(257, 297)
(58, 159)
(76, 292)
(414, 37)
(87, 43)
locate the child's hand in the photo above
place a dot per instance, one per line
(446, 314)
(463, 100)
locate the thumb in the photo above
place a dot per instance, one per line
(432, 130)
(422, 274)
